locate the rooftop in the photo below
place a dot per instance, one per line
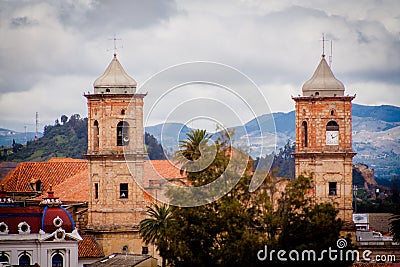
(114, 77)
(323, 82)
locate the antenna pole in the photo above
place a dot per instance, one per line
(37, 123)
(330, 57)
(26, 138)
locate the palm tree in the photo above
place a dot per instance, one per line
(190, 149)
(153, 229)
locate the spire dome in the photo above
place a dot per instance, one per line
(114, 80)
(323, 82)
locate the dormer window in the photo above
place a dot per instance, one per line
(36, 185)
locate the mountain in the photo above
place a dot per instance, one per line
(7, 136)
(376, 135)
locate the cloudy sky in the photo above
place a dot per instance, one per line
(52, 51)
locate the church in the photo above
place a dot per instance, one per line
(102, 203)
(324, 140)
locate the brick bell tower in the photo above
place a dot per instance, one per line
(115, 134)
(324, 139)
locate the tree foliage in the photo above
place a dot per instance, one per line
(153, 229)
(154, 149)
(233, 229)
(283, 164)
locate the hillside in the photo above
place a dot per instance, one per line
(376, 138)
(68, 139)
(60, 140)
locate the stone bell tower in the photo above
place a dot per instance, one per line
(115, 139)
(324, 139)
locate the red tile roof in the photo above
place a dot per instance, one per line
(158, 169)
(74, 189)
(69, 177)
(52, 172)
(89, 248)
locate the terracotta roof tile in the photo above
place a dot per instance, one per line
(154, 170)
(89, 248)
(52, 172)
(74, 189)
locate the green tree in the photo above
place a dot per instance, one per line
(190, 148)
(233, 229)
(153, 229)
(154, 149)
(64, 119)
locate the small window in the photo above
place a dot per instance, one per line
(24, 228)
(332, 112)
(96, 190)
(125, 249)
(96, 135)
(24, 260)
(123, 190)
(304, 133)
(107, 90)
(57, 260)
(316, 93)
(145, 250)
(57, 222)
(332, 188)
(123, 112)
(3, 228)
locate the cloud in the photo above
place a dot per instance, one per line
(275, 43)
(108, 17)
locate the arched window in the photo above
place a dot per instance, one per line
(57, 260)
(96, 135)
(332, 126)
(4, 258)
(304, 134)
(24, 260)
(122, 133)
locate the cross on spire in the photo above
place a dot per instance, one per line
(115, 39)
(323, 44)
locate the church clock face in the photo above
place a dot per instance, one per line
(332, 137)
